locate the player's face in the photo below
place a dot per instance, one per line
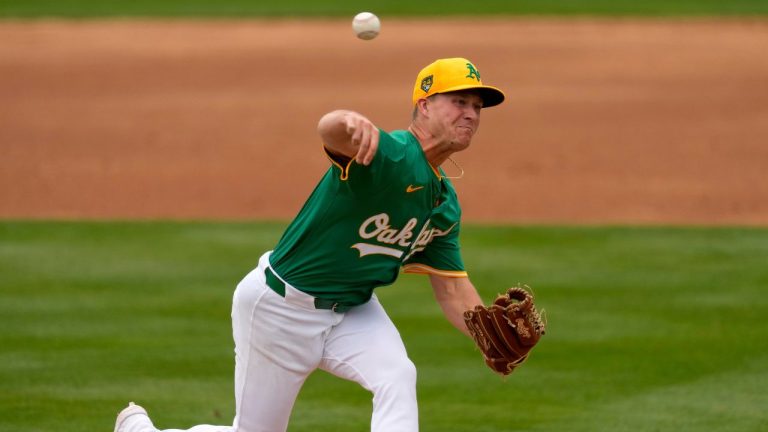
(455, 117)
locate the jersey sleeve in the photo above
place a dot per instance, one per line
(437, 249)
(389, 152)
(442, 256)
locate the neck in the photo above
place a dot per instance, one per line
(434, 149)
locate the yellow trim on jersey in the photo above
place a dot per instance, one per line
(425, 269)
(344, 170)
(434, 170)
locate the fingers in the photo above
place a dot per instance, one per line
(364, 136)
(373, 146)
(368, 145)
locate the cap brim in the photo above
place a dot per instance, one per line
(491, 95)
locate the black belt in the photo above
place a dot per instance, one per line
(278, 286)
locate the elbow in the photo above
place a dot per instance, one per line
(326, 124)
(333, 133)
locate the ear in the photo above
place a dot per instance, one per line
(422, 106)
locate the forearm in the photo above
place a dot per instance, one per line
(333, 132)
(455, 295)
(349, 134)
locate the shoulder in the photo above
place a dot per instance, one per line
(404, 138)
(400, 135)
(397, 144)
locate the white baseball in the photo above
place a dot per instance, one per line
(366, 25)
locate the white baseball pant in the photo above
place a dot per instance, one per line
(280, 341)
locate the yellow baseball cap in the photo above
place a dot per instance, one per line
(454, 74)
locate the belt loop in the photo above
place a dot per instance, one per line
(278, 286)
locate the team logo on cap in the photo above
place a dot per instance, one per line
(426, 84)
(473, 73)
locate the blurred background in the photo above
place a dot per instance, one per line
(656, 119)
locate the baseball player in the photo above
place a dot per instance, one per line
(383, 205)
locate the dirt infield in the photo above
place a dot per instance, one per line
(610, 121)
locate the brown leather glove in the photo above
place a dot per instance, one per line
(507, 330)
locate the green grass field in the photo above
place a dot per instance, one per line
(308, 8)
(650, 329)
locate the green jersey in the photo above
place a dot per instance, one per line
(363, 223)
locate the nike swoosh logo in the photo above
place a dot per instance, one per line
(412, 188)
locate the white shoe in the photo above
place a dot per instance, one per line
(133, 418)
